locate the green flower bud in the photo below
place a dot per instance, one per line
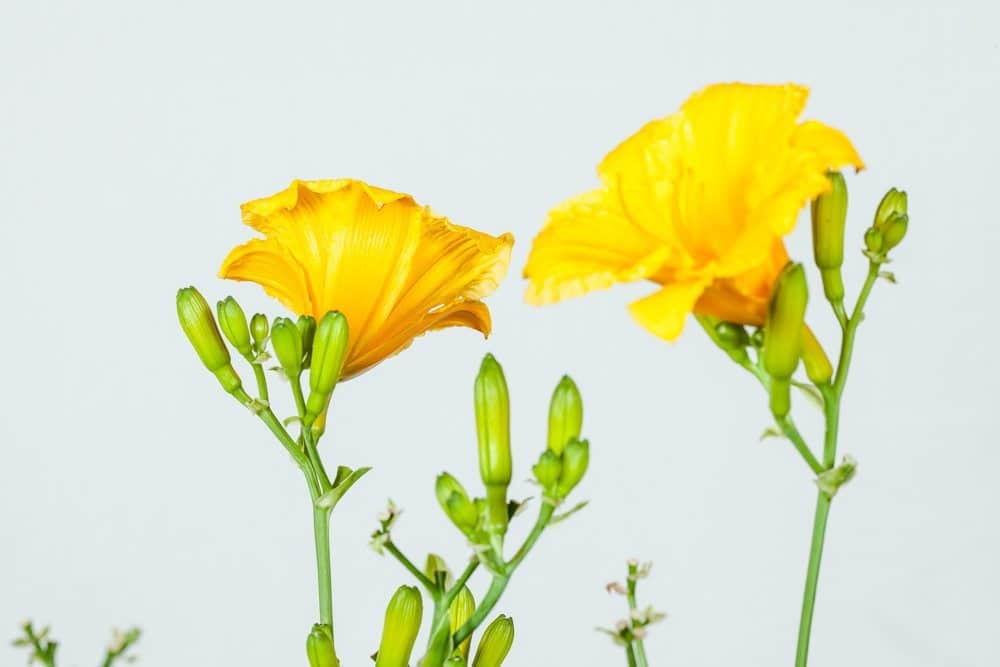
(199, 326)
(319, 647)
(461, 611)
(455, 503)
(493, 423)
(574, 464)
(307, 329)
(548, 469)
(233, 323)
(258, 330)
(894, 202)
(873, 240)
(565, 414)
(818, 367)
(495, 644)
(757, 338)
(402, 623)
(785, 317)
(329, 350)
(493, 431)
(894, 230)
(287, 344)
(731, 336)
(829, 216)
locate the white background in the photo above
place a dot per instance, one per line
(132, 490)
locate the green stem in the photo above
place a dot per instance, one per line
(630, 655)
(812, 578)
(258, 372)
(321, 531)
(832, 396)
(500, 580)
(413, 569)
(639, 646)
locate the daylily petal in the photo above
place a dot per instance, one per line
(743, 298)
(663, 312)
(393, 268)
(270, 265)
(588, 243)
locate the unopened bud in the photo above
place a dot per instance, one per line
(873, 240)
(495, 644)
(199, 326)
(493, 430)
(548, 469)
(402, 623)
(287, 344)
(574, 464)
(731, 336)
(493, 423)
(455, 502)
(829, 216)
(894, 202)
(894, 230)
(818, 367)
(319, 647)
(306, 325)
(258, 330)
(233, 322)
(329, 350)
(565, 414)
(461, 611)
(785, 317)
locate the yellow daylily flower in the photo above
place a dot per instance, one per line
(391, 266)
(697, 202)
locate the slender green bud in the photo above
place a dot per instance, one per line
(287, 344)
(307, 329)
(233, 322)
(829, 217)
(258, 330)
(495, 644)
(548, 469)
(574, 464)
(461, 611)
(402, 623)
(873, 240)
(785, 318)
(455, 503)
(894, 202)
(894, 230)
(199, 326)
(329, 350)
(565, 414)
(493, 423)
(319, 647)
(818, 367)
(493, 431)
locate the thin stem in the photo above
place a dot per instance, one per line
(500, 580)
(831, 399)
(640, 647)
(291, 446)
(258, 372)
(413, 569)
(786, 424)
(630, 655)
(321, 531)
(812, 578)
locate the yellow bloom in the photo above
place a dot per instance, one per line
(392, 267)
(697, 202)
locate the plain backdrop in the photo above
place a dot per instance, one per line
(132, 490)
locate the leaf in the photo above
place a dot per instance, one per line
(811, 392)
(567, 514)
(329, 499)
